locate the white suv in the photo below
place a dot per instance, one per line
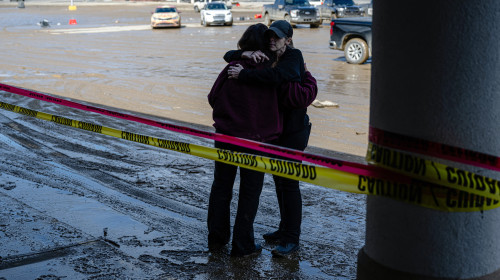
(199, 4)
(216, 13)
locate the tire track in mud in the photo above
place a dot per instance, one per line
(179, 223)
(90, 170)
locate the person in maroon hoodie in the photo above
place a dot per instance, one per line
(252, 111)
(288, 68)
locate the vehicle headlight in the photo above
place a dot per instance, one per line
(228, 13)
(208, 14)
(293, 13)
(341, 9)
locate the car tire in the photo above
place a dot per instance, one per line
(205, 22)
(267, 19)
(196, 9)
(288, 19)
(356, 51)
(229, 23)
(314, 25)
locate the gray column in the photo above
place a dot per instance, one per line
(435, 76)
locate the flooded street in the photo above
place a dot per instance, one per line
(62, 189)
(112, 57)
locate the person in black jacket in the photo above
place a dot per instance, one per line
(288, 66)
(250, 111)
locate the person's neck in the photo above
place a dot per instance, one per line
(280, 52)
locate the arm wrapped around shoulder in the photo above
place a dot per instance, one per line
(299, 95)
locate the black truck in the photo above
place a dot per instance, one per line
(293, 11)
(332, 9)
(353, 36)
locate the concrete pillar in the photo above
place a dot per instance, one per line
(435, 76)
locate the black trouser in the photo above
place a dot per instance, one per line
(218, 221)
(288, 191)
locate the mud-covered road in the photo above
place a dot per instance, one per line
(62, 188)
(112, 57)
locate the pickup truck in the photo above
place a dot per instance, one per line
(332, 9)
(293, 11)
(353, 36)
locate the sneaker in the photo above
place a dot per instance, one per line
(285, 250)
(272, 237)
(256, 251)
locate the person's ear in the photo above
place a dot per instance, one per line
(288, 40)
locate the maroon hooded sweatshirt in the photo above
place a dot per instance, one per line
(254, 111)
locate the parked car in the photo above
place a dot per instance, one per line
(199, 4)
(367, 9)
(165, 16)
(293, 11)
(216, 13)
(332, 9)
(353, 36)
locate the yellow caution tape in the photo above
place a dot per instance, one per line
(416, 192)
(467, 187)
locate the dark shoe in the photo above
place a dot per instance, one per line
(285, 250)
(255, 252)
(272, 237)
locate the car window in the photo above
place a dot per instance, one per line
(298, 2)
(218, 6)
(165, 10)
(344, 2)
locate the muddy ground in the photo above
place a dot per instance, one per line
(60, 188)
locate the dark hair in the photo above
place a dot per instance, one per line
(253, 38)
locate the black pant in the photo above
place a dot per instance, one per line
(218, 221)
(288, 191)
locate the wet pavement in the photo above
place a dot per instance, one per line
(78, 205)
(113, 57)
